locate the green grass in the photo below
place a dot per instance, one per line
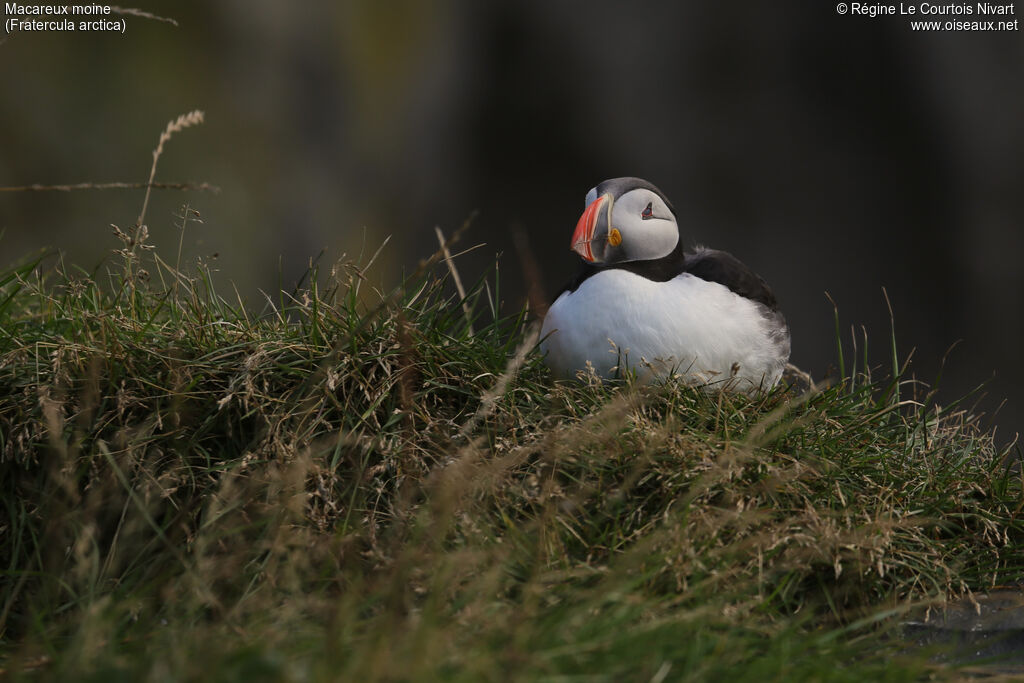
(351, 484)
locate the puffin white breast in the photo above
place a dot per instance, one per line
(616, 321)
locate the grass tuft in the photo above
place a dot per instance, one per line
(365, 485)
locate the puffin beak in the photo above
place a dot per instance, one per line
(586, 227)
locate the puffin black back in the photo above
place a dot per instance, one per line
(725, 269)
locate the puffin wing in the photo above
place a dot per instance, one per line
(726, 269)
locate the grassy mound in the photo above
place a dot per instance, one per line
(360, 485)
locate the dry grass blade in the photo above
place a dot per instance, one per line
(455, 276)
(200, 187)
(131, 11)
(193, 118)
(515, 364)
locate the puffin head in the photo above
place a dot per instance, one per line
(626, 219)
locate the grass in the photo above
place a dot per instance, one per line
(357, 484)
(353, 485)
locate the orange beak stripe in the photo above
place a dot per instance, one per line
(584, 233)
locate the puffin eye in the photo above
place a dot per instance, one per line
(647, 213)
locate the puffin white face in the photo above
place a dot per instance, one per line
(625, 223)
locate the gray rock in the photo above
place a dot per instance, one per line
(986, 631)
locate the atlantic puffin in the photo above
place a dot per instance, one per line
(643, 306)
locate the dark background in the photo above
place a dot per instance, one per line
(831, 153)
